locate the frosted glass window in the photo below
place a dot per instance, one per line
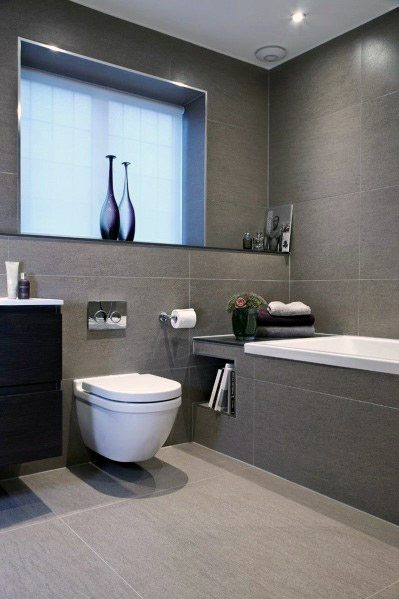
(67, 129)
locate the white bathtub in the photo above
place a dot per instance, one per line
(364, 353)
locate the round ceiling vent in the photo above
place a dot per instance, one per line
(270, 53)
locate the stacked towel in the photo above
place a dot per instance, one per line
(287, 321)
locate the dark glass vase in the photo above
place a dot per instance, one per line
(109, 218)
(244, 323)
(127, 225)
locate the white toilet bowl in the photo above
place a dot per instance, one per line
(126, 417)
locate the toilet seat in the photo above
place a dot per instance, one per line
(131, 393)
(132, 387)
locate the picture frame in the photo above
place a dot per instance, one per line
(278, 226)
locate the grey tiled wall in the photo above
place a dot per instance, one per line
(237, 103)
(334, 153)
(151, 279)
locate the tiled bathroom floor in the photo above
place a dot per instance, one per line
(189, 524)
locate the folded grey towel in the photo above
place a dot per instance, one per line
(284, 332)
(292, 309)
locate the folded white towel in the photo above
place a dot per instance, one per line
(292, 309)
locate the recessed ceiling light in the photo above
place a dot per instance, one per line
(270, 53)
(298, 16)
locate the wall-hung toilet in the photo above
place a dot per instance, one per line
(126, 417)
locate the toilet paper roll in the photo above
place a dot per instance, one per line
(184, 319)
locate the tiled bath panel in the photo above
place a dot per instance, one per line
(331, 429)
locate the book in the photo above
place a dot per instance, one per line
(221, 398)
(215, 388)
(231, 398)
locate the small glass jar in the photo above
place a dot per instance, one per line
(247, 241)
(258, 242)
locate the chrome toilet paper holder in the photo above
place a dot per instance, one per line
(163, 317)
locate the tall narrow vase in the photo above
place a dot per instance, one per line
(127, 225)
(109, 219)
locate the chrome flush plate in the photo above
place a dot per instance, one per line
(106, 315)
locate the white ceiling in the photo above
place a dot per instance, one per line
(238, 27)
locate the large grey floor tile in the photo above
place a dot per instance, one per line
(230, 537)
(76, 488)
(172, 467)
(49, 561)
(19, 506)
(380, 142)
(391, 592)
(379, 220)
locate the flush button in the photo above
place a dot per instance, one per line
(106, 315)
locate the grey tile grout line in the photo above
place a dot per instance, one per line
(101, 558)
(370, 403)
(361, 186)
(383, 589)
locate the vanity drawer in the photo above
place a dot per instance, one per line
(30, 426)
(30, 346)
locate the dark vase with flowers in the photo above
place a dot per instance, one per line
(243, 308)
(244, 323)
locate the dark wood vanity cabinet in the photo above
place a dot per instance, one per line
(30, 383)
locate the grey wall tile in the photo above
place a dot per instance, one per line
(3, 253)
(75, 258)
(146, 344)
(8, 203)
(361, 385)
(320, 251)
(334, 304)
(379, 238)
(380, 142)
(324, 442)
(316, 157)
(379, 309)
(209, 298)
(228, 217)
(252, 266)
(237, 92)
(237, 162)
(380, 56)
(321, 81)
(231, 436)
(8, 118)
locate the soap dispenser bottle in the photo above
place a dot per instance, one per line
(24, 286)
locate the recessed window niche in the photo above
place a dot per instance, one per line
(73, 112)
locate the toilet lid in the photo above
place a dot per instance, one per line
(133, 387)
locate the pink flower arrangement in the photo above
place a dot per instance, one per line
(240, 302)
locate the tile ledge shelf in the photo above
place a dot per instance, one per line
(34, 301)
